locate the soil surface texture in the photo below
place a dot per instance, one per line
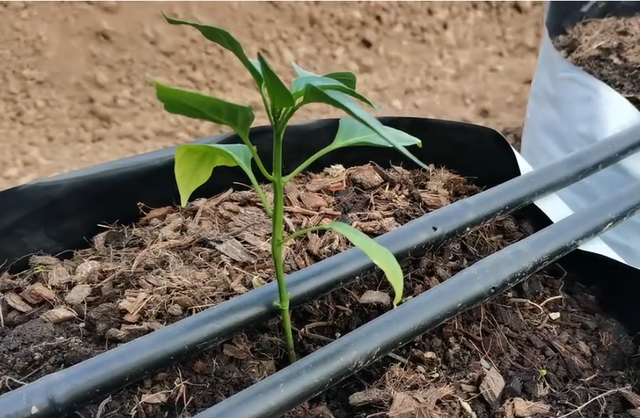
(75, 77)
(608, 49)
(542, 349)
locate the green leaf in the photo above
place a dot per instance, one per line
(354, 133)
(199, 106)
(301, 71)
(341, 101)
(381, 257)
(345, 77)
(225, 40)
(279, 94)
(332, 81)
(325, 83)
(194, 164)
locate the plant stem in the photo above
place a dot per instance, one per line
(277, 240)
(304, 232)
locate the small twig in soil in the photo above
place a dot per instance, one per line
(102, 406)
(519, 300)
(13, 379)
(602, 395)
(1, 318)
(551, 299)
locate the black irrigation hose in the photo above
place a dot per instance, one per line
(67, 390)
(314, 374)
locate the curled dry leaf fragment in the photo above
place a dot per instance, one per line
(58, 315)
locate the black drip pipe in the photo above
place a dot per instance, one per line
(68, 390)
(314, 374)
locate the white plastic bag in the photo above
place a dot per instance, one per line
(569, 109)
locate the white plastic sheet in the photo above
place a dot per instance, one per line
(569, 109)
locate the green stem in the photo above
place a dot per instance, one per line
(263, 197)
(277, 240)
(305, 231)
(307, 163)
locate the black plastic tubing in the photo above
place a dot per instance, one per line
(314, 374)
(66, 391)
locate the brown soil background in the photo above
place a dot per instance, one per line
(75, 78)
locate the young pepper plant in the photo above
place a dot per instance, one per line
(194, 163)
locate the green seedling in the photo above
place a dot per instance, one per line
(194, 163)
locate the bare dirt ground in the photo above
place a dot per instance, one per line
(75, 77)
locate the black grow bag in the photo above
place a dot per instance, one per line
(62, 213)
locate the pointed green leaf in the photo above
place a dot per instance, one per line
(341, 101)
(325, 83)
(345, 77)
(279, 94)
(199, 106)
(332, 81)
(225, 40)
(353, 133)
(381, 257)
(194, 164)
(256, 65)
(301, 71)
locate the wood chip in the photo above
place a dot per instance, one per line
(158, 213)
(154, 398)
(492, 385)
(78, 294)
(403, 406)
(584, 348)
(88, 272)
(321, 411)
(235, 250)
(519, 408)
(234, 351)
(133, 305)
(58, 315)
(434, 201)
(367, 177)
(132, 318)
(368, 397)
(634, 413)
(175, 310)
(631, 397)
(375, 297)
(58, 276)
(185, 301)
(16, 302)
(43, 260)
(38, 293)
(312, 200)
